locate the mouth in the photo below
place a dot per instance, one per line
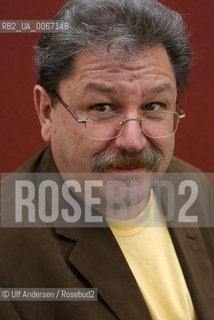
(129, 170)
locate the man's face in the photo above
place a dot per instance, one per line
(103, 83)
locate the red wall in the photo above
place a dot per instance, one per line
(19, 127)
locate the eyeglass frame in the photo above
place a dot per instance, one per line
(68, 108)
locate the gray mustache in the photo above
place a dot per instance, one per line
(149, 159)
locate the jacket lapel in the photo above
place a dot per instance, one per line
(197, 269)
(193, 246)
(99, 259)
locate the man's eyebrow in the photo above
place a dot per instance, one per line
(161, 88)
(102, 88)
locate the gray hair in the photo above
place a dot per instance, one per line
(119, 25)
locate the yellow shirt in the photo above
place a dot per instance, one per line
(151, 256)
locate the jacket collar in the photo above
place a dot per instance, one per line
(97, 256)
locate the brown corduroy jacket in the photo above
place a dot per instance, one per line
(91, 258)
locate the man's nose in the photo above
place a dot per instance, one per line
(132, 138)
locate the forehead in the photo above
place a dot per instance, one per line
(99, 70)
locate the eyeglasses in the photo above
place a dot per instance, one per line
(156, 124)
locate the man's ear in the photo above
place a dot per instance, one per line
(44, 110)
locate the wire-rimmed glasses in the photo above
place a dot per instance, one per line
(155, 124)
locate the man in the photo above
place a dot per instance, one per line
(107, 101)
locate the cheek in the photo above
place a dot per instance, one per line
(166, 148)
(66, 131)
(167, 152)
(72, 149)
(164, 145)
(65, 142)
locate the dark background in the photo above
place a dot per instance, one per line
(19, 126)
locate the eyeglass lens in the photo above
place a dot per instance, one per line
(154, 125)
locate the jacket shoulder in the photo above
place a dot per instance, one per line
(178, 165)
(41, 162)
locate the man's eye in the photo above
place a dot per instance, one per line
(155, 106)
(102, 107)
